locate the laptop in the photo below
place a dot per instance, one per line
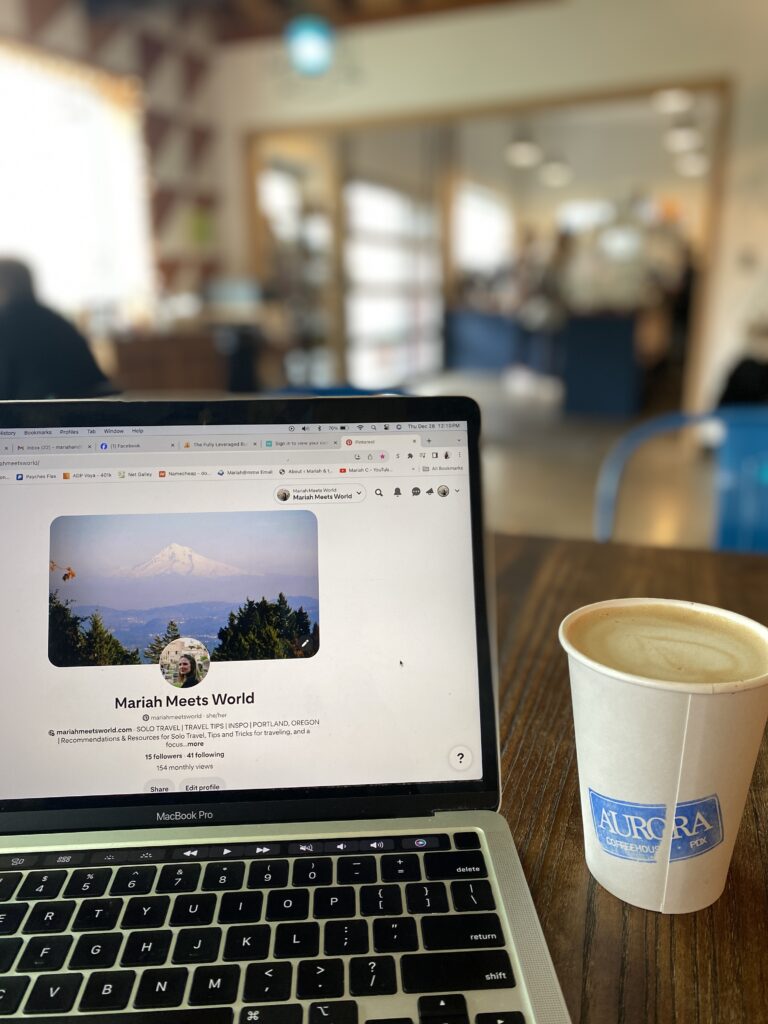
(249, 759)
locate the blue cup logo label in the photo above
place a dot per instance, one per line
(634, 831)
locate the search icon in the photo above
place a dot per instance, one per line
(379, 492)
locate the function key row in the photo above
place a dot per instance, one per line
(229, 876)
(234, 851)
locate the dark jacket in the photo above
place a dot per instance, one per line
(43, 356)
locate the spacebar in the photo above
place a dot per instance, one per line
(215, 1015)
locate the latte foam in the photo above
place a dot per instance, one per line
(670, 643)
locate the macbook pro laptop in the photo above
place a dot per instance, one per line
(248, 748)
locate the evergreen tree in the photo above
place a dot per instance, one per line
(158, 643)
(262, 630)
(65, 638)
(100, 647)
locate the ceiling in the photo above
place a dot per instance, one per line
(243, 19)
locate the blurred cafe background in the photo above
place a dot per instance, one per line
(559, 207)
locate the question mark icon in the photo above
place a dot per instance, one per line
(460, 758)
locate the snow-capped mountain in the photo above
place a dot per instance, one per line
(177, 560)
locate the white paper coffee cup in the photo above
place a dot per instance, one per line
(664, 770)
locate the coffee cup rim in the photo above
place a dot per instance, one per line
(664, 684)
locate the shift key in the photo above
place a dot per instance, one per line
(456, 972)
(462, 864)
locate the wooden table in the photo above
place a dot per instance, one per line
(617, 963)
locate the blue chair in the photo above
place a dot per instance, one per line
(741, 479)
(601, 373)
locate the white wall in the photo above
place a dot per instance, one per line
(520, 52)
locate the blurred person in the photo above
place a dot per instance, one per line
(42, 355)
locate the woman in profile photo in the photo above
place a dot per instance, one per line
(187, 671)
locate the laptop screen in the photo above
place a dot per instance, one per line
(213, 608)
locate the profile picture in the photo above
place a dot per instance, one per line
(283, 494)
(184, 662)
(442, 490)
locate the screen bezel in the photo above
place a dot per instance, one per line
(296, 804)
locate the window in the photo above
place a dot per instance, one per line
(393, 306)
(73, 189)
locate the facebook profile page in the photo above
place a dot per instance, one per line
(237, 608)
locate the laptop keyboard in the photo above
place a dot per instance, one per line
(313, 932)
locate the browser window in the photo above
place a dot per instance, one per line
(210, 608)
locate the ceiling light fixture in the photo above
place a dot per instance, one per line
(683, 137)
(523, 152)
(311, 44)
(672, 101)
(555, 173)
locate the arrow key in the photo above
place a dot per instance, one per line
(268, 982)
(436, 1008)
(504, 1017)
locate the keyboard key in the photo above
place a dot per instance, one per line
(45, 953)
(224, 876)
(95, 915)
(288, 1013)
(161, 987)
(197, 946)
(466, 840)
(338, 1012)
(19, 860)
(441, 842)
(146, 949)
(9, 882)
(427, 899)
(397, 934)
(108, 990)
(8, 950)
(288, 905)
(189, 853)
(49, 917)
(502, 1017)
(194, 909)
(11, 993)
(403, 867)
(100, 857)
(441, 972)
(462, 931)
(88, 882)
(320, 979)
(178, 878)
(390, 1020)
(317, 871)
(211, 1015)
(334, 902)
(240, 907)
(372, 976)
(42, 885)
(53, 993)
(307, 848)
(463, 864)
(443, 1007)
(268, 981)
(380, 899)
(341, 846)
(65, 860)
(472, 896)
(343, 937)
(96, 951)
(11, 916)
(212, 985)
(377, 845)
(297, 940)
(146, 912)
(249, 942)
(351, 870)
(268, 874)
(133, 881)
